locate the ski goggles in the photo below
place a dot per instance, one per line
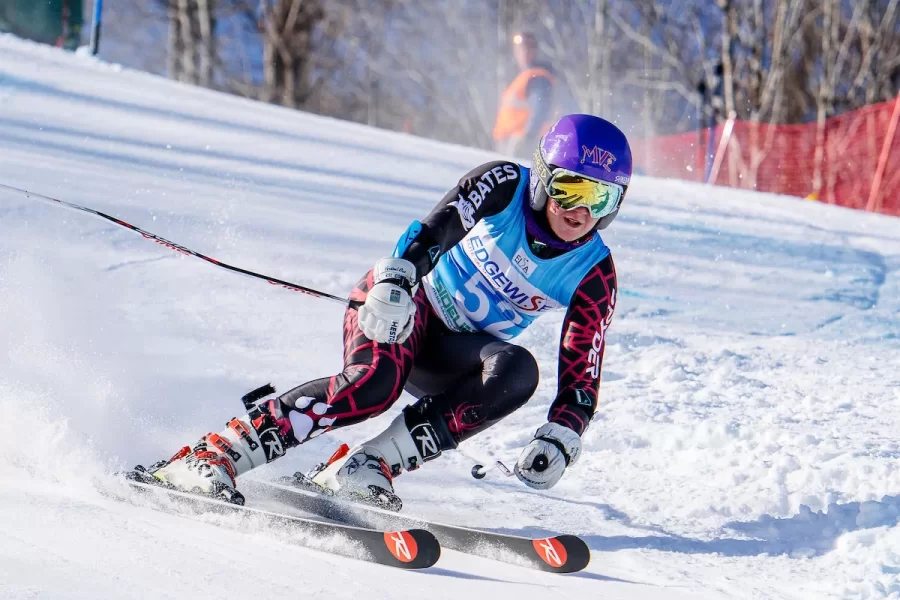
(571, 190)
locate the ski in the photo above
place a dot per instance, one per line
(402, 548)
(555, 554)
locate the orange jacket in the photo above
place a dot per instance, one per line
(514, 112)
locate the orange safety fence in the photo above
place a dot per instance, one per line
(855, 154)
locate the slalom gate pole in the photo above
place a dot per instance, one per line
(723, 147)
(95, 26)
(187, 251)
(874, 202)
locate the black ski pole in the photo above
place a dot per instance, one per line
(178, 248)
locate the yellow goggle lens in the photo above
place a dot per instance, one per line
(570, 191)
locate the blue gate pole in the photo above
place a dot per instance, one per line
(95, 27)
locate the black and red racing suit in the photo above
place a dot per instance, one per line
(470, 380)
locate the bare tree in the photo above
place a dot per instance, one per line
(855, 63)
(429, 67)
(763, 58)
(654, 66)
(175, 46)
(206, 51)
(287, 36)
(191, 45)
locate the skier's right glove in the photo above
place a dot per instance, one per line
(543, 461)
(389, 313)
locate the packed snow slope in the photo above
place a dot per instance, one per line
(746, 442)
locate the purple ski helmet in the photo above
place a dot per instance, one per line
(585, 144)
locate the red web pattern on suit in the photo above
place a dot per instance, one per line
(581, 350)
(371, 370)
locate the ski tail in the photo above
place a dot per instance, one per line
(561, 554)
(408, 549)
(403, 548)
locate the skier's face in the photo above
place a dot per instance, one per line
(524, 49)
(569, 225)
(524, 55)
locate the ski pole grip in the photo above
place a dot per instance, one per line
(355, 304)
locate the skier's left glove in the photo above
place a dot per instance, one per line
(389, 313)
(543, 461)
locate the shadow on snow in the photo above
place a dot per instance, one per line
(803, 535)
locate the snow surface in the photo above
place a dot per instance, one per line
(745, 446)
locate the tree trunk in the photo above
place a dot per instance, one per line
(825, 96)
(206, 50)
(729, 31)
(288, 54)
(270, 70)
(188, 45)
(647, 109)
(173, 52)
(599, 61)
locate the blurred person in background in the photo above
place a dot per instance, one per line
(526, 107)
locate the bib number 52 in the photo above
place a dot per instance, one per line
(482, 310)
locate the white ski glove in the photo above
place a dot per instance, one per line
(543, 461)
(389, 313)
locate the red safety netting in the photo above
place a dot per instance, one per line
(782, 158)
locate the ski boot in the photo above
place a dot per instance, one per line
(212, 466)
(366, 473)
(361, 475)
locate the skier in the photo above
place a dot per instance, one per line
(504, 246)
